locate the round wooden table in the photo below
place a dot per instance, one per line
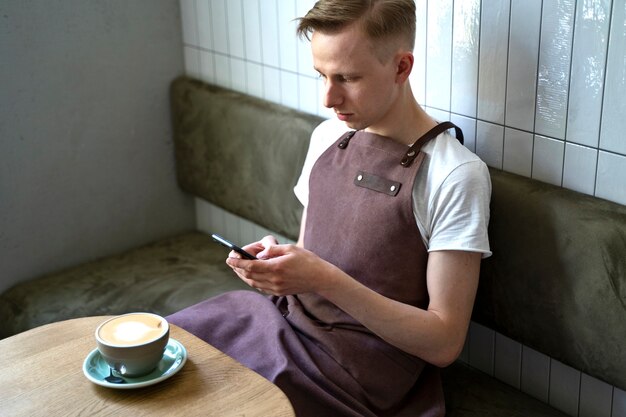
(41, 375)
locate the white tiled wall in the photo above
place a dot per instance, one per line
(537, 86)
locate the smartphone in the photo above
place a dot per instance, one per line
(219, 239)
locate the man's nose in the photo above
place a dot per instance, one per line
(332, 94)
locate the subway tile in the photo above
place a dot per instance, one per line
(522, 65)
(269, 33)
(554, 66)
(254, 78)
(219, 25)
(288, 41)
(252, 30)
(289, 89)
(595, 397)
(494, 34)
(614, 108)
(439, 54)
(535, 373)
(246, 231)
(508, 360)
(418, 74)
(490, 143)
(235, 29)
(231, 227)
(209, 218)
(464, 74)
(587, 77)
(205, 34)
(610, 183)
(468, 126)
(222, 70)
(305, 58)
(189, 23)
(203, 215)
(272, 84)
(308, 94)
(518, 152)
(619, 403)
(548, 160)
(438, 114)
(207, 67)
(481, 348)
(192, 62)
(564, 387)
(238, 77)
(579, 170)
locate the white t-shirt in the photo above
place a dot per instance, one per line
(450, 197)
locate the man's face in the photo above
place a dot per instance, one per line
(357, 86)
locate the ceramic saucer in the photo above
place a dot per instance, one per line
(174, 357)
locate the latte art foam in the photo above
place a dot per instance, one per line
(132, 330)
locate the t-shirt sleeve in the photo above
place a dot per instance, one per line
(460, 210)
(324, 135)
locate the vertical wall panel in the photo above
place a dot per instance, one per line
(535, 374)
(494, 30)
(252, 30)
(269, 33)
(465, 34)
(287, 35)
(518, 152)
(235, 28)
(587, 76)
(554, 67)
(548, 160)
(207, 67)
(522, 64)
(490, 143)
(564, 388)
(595, 397)
(610, 180)
(508, 360)
(418, 75)
(203, 15)
(579, 171)
(439, 54)
(614, 109)
(219, 26)
(188, 18)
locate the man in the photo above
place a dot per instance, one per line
(378, 292)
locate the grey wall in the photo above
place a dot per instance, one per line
(86, 162)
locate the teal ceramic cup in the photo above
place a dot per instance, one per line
(133, 344)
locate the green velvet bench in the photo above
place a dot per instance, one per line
(556, 281)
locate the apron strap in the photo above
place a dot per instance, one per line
(414, 150)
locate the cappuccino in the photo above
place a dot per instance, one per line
(132, 329)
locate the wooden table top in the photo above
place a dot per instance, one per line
(41, 375)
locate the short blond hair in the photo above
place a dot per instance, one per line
(380, 20)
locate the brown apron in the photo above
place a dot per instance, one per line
(360, 218)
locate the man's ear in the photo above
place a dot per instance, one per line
(404, 66)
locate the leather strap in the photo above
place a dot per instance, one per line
(414, 150)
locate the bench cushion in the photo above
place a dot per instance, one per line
(557, 279)
(162, 278)
(241, 153)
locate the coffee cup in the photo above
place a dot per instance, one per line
(133, 344)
